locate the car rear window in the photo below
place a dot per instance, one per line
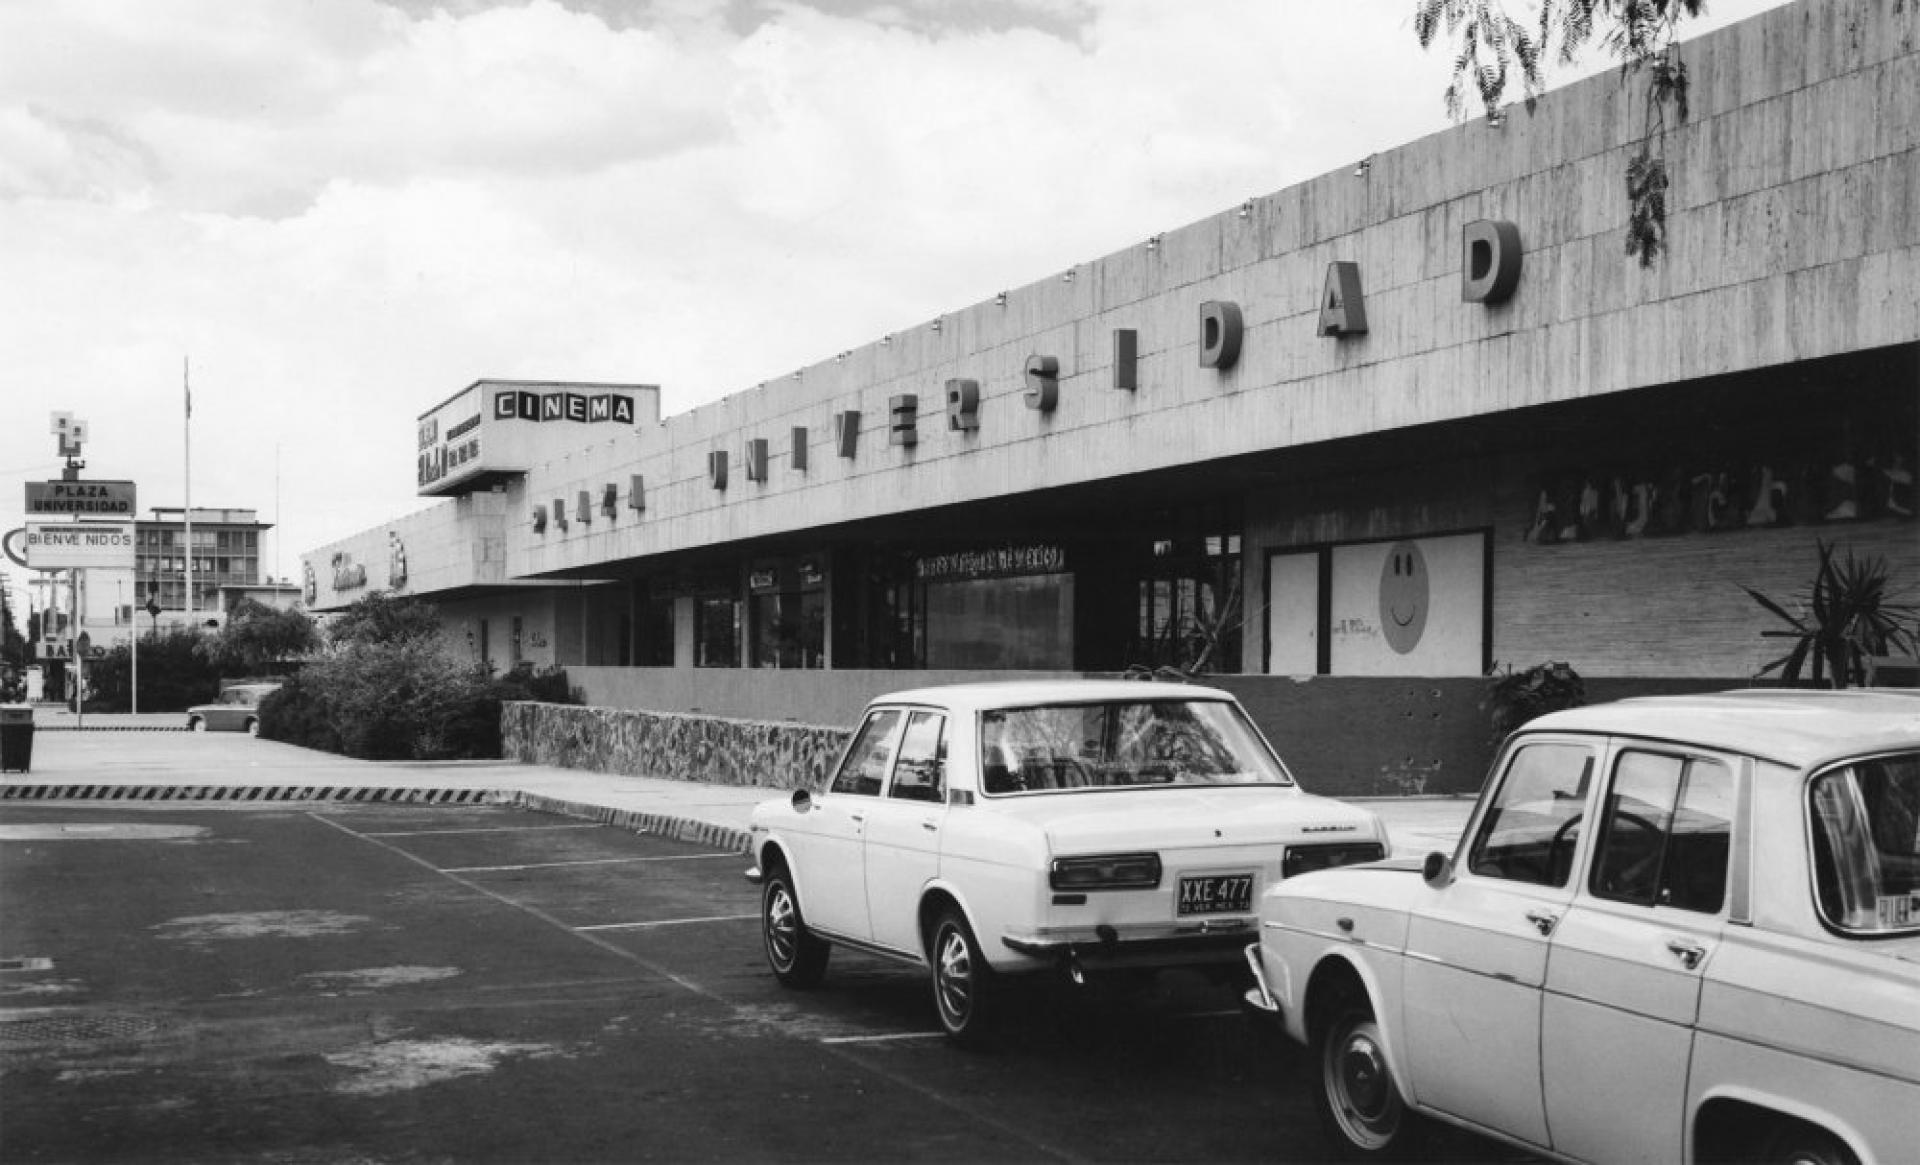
(1864, 818)
(1123, 744)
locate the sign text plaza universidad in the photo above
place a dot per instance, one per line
(106, 498)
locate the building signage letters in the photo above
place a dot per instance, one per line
(1043, 382)
(1489, 261)
(79, 545)
(904, 428)
(1000, 562)
(81, 497)
(519, 405)
(1219, 334)
(963, 405)
(1343, 308)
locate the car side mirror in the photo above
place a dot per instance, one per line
(802, 800)
(1437, 869)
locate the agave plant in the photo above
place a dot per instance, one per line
(1847, 617)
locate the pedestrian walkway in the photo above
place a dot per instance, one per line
(123, 767)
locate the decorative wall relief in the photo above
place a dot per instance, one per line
(1343, 307)
(963, 405)
(1219, 334)
(1489, 261)
(1126, 359)
(903, 426)
(1043, 383)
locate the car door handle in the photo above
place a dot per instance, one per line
(1543, 920)
(857, 818)
(1688, 953)
(930, 827)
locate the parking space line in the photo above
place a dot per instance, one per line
(583, 862)
(889, 1037)
(489, 829)
(666, 922)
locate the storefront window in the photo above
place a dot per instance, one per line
(789, 612)
(716, 641)
(1001, 623)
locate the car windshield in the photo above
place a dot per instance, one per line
(1123, 744)
(1866, 844)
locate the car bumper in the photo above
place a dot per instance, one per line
(1218, 941)
(1260, 996)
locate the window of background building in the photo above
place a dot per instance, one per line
(718, 613)
(654, 640)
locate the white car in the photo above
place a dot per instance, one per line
(1675, 929)
(987, 831)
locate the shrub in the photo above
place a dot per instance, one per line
(1515, 697)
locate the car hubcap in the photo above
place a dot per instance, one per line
(783, 929)
(1362, 1089)
(954, 972)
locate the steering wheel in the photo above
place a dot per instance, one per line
(1640, 863)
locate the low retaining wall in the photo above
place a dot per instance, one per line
(709, 749)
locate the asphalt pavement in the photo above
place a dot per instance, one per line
(129, 759)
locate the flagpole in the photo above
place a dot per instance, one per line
(186, 384)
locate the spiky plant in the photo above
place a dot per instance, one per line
(1847, 616)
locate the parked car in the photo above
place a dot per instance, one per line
(237, 710)
(986, 832)
(1675, 929)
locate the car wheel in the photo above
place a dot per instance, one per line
(197, 724)
(1800, 1145)
(962, 981)
(797, 955)
(1359, 1104)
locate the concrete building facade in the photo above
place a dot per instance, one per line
(1346, 447)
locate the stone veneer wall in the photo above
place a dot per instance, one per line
(710, 749)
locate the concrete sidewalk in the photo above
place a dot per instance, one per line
(111, 763)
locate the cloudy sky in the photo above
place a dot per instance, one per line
(341, 212)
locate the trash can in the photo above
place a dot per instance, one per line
(16, 738)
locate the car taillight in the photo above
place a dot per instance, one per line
(1106, 872)
(1303, 859)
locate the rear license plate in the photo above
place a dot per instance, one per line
(1216, 894)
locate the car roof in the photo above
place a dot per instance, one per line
(1797, 727)
(1027, 693)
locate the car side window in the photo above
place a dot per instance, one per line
(865, 768)
(921, 772)
(1667, 833)
(1530, 830)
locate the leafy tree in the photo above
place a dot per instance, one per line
(1845, 618)
(384, 618)
(1643, 35)
(257, 636)
(174, 675)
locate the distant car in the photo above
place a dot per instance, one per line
(989, 831)
(237, 710)
(1675, 929)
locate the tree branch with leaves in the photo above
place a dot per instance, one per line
(1491, 46)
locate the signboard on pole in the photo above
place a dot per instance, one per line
(106, 499)
(80, 545)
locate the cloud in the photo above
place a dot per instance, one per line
(342, 213)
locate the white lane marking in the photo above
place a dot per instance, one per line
(490, 829)
(666, 922)
(885, 1038)
(585, 862)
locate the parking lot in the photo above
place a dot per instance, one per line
(484, 983)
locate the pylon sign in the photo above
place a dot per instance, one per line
(106, 499)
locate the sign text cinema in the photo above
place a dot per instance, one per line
(563, 406)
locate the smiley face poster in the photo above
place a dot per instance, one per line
(1413, 607)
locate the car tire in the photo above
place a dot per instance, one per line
(1359, 1103)
(963, 987)
(1802, 1145)
(797, 956)
(197, 725)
